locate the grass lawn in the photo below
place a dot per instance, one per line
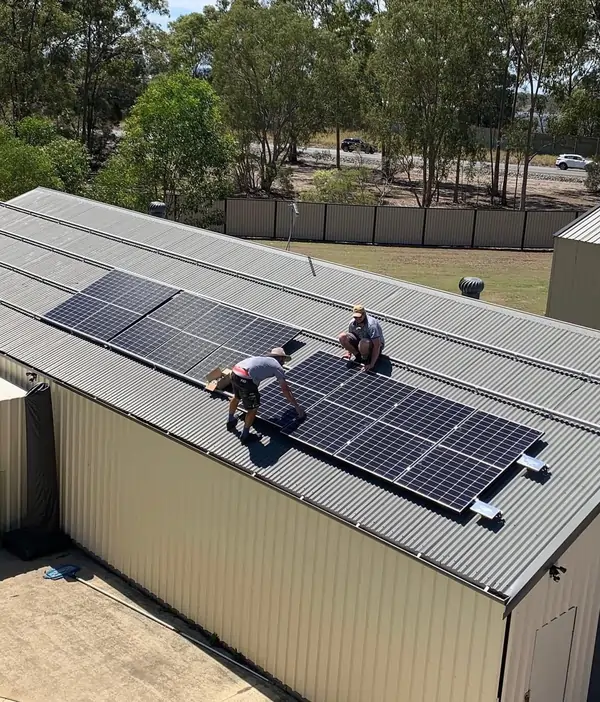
(514, 279)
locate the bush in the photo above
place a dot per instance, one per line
(24, 167)
(36, 131)
(348, 186)
(592, 181)
(71, 163)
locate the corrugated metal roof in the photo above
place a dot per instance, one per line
(419, 333)
(586, 228)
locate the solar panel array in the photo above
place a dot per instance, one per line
(178, 331)
(440, 449)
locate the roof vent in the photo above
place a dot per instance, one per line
(158, 209)
(471, 287)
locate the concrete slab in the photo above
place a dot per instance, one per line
(62, 640)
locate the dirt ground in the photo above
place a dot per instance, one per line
(62, 640)
(551, 193)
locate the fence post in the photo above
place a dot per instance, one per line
(524, 230)
(473, 230)
(424, 225)
(325, 223)
(374, 223)
(275, 220)
(225, 217)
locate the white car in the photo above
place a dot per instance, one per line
(565, 161)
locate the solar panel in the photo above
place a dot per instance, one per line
(427, 415)
(222, 357)
(181, 352)
(449, 478)
(274, 407)
(492, 439)
(328, 427)
(129, 291)
(182, 310)
(321, 372)
(261, 336)
(220, 324)
(144, 337)
(75, 310)
(370, 394)
(385, 451)
(107, 322)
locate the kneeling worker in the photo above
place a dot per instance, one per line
(364, 338)
(246, 377)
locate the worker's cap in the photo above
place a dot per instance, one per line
(358, 311)
(278, 352)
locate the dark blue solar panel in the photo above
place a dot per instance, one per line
(322, 372)
(220, 324)
(427, 415)
(75, 310)
(274, 407)
(328, 427)
(181, 352)
(261, 335)
(449, 478)
(144, 337)
(492, 439)
(370, 394)
(128, 291)
(108, 322)
(385, 451)
(183, 310)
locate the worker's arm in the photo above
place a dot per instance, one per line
(375, 351)
(289, 396)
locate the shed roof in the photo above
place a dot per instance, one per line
(526, 368)
(586, 228)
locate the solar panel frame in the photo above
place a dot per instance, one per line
(130, 292)
(322, 369)
(424, 414)
(111, 286)
(491, 439)
(449, 478)
(182, 310)
(275, 409)
(144, 337)
(322, 430)
(384, 451)
(375, 395)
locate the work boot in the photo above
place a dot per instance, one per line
(250, 438)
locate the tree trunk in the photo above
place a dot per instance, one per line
(338, 147)
(504, 199)
(457, 178)
(496, 176)
(294, 151)
(523, 202)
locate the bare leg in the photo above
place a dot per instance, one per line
(233, 404)
(348, 344)
(364, 348)
(249, 419)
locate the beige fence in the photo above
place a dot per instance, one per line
(546, 143)
(400, 226)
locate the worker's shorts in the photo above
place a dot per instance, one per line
(353, 339)
(246, 390)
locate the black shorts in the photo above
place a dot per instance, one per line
(246, 390)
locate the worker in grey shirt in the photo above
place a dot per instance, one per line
(246, 376)
(364, 339)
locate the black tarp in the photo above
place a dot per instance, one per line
(40, 534)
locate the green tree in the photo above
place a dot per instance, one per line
(36, 131)
(191, 39)
(24, 167)
(263, 68)
(175, 149)
(70, 161)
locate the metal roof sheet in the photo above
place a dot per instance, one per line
(507, 354)
(586, 228)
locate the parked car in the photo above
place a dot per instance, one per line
(357, 144)
(565, 161)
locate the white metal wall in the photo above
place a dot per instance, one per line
(13, 463)
(336, 615)
(578, 587)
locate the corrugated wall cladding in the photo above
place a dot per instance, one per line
(13, 463)
(449, 227)
(251, 218)
(350, 223)
(499, 229)
(333, 613)
(540, 228)
(578, 587)
(309, 225)
(399, 225)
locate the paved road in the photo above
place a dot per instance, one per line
(548, 171)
